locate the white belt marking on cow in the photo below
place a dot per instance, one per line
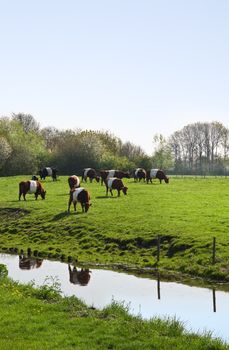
(153, 173)
(110, 181)
(77, 180)
(32, 186)
(136, 171)
(111, 173)
(86, 171)
(49, 171)
(76, 193)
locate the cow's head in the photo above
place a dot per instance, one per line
(124, 189)
(87, 206)
(127, 174)
(43, 193)
(166, 179)
(97, 178)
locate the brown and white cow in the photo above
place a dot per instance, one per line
(27, 263)
(73, 181)
(81, 277)
(91, 173)
(139, 174)
(114, 183)
(31, 187)
(156, 174)
(79, 195)
(106, 174)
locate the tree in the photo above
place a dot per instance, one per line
(162, 156)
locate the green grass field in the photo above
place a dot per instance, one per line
(39, 318)
(187, 213)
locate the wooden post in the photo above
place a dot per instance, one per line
(158, 247)
(213, 250)
(158, 286)
(214, 300)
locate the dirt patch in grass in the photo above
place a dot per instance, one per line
(13, 213)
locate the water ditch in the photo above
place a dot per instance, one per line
(200, 309)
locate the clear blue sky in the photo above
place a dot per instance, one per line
(133, 67)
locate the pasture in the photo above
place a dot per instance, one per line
(187, 213)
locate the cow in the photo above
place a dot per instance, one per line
(105, 174)
(79, 195)
(156, 174)
(48, 172)
(31, 187)
(81, 277)
(139, 174)
(113, 183)
(27, 263)
(73, 182)
(91, 173)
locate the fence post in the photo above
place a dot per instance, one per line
(213, 250)
(158, 247)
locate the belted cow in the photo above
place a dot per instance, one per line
(139, 174)
(27, 263)
(114, 183)
(156, 174)
(79, 195)
(73, 181)
(31, 187)
(81, 277)
(91, 173)
(48, 172)
(106, 174)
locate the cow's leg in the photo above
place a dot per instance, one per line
(118, 193)
(69, 204)
(106, 191)
(111, 192)
(82, 206)
(24, 196)
(74, 203)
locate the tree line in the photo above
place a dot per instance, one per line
(25, 148)
(199, 148)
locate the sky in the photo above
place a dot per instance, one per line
(135, 68)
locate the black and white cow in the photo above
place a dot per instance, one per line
(139, 174)
(48, 172)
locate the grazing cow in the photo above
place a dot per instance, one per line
(156, 174)
(73, 181)
(79, 195)
(114, 183)
(91, 173)
(139, 174)
(81, 277)
(48, 172)
(106, 174)
(27, 263)
(31, 187)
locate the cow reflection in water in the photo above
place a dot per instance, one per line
(27, 263)
(81, 277)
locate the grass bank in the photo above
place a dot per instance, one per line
(186, 214)
(40, 319)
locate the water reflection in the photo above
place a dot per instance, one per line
(148, 297)
(27, 263)
(81, 277)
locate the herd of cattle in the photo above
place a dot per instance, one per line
(111, 178)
